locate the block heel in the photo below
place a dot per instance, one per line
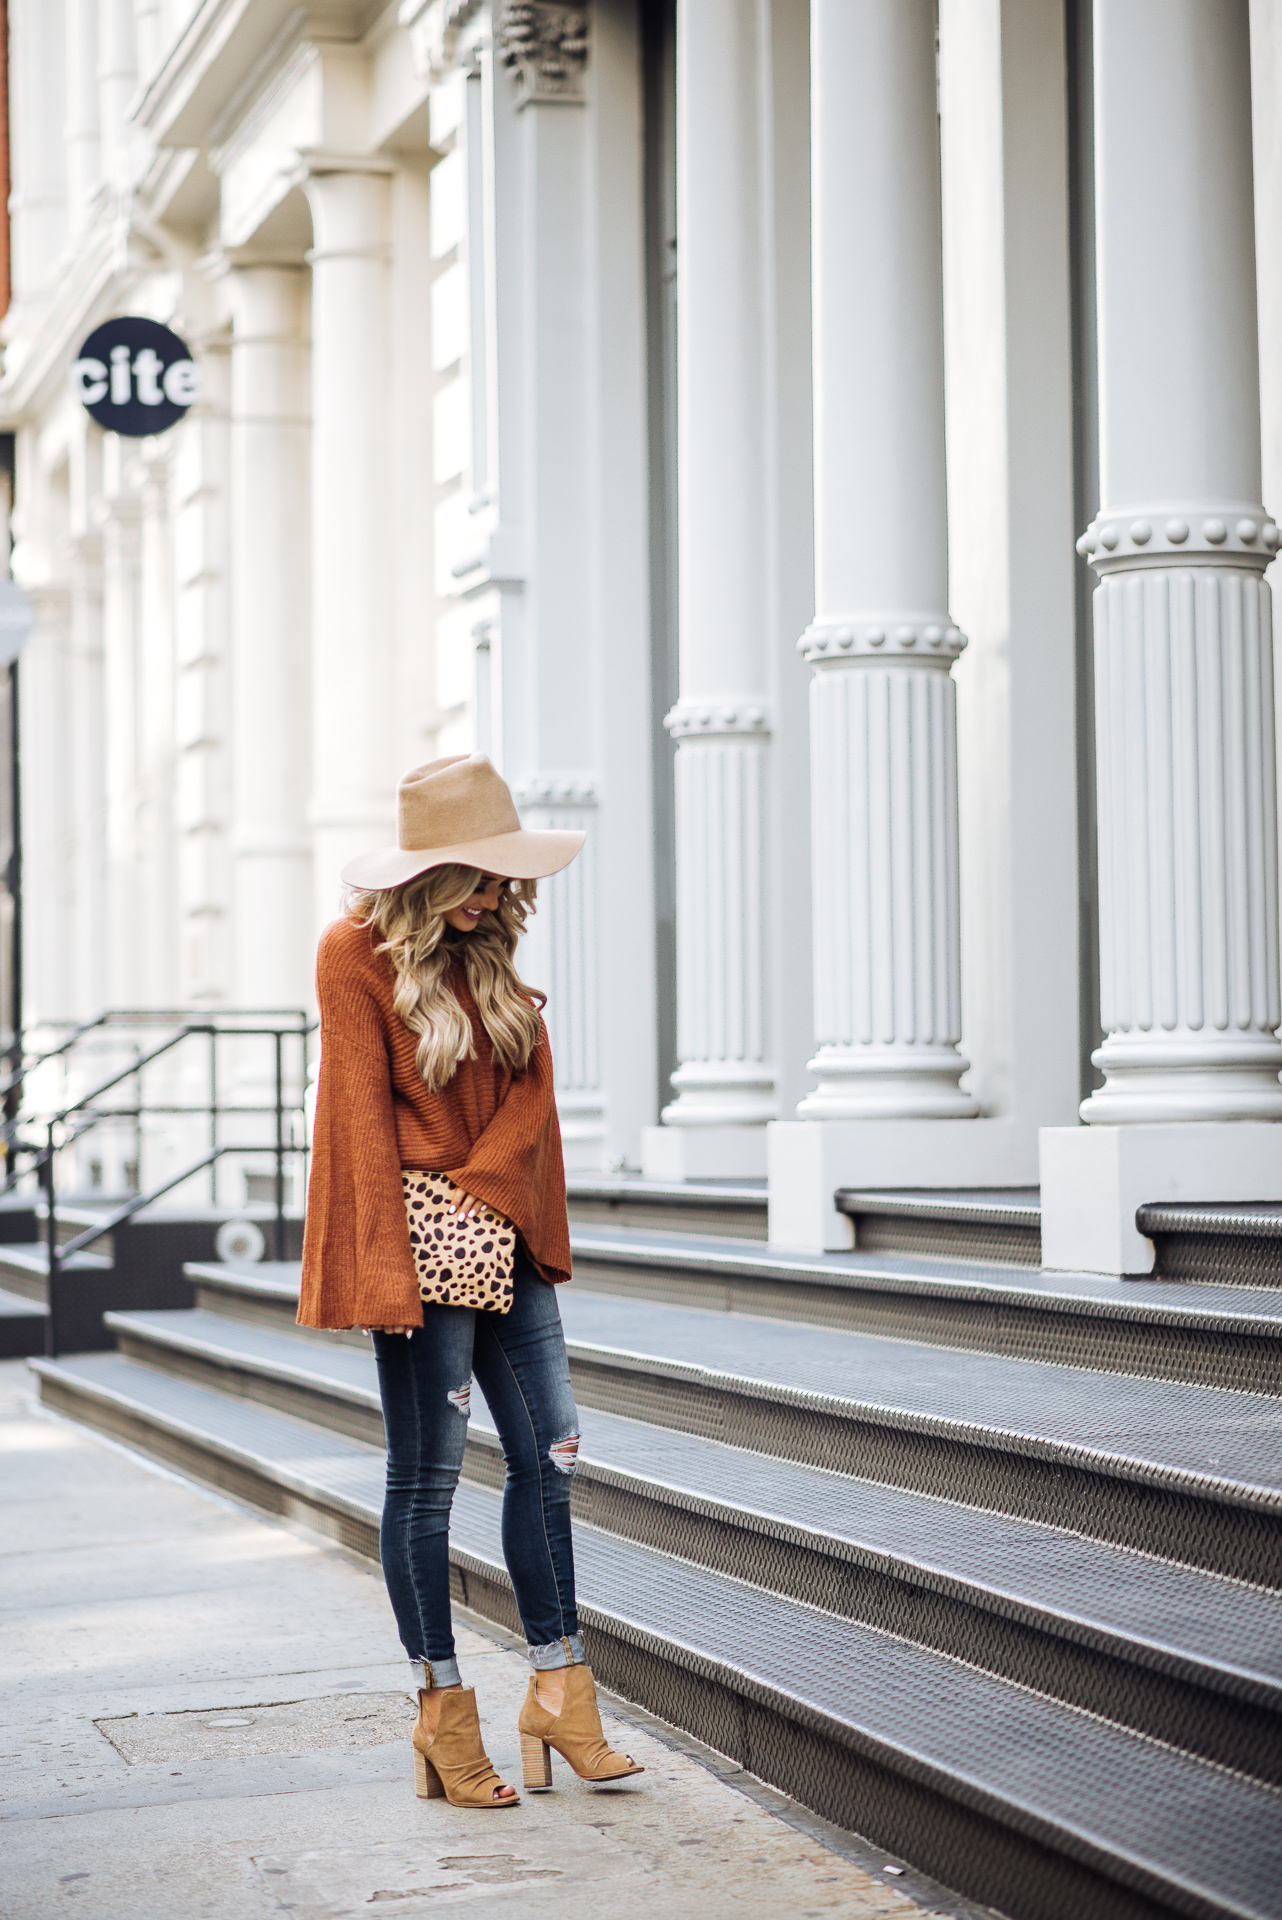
(452, 1764)
(536, 1762)
(575, 1732)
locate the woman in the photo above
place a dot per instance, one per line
(435, 1060)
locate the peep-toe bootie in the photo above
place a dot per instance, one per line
(453, 1763)
(575, 1732)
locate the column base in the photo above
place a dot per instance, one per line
(1094, 1178)
(810, 1159)
(583, 1131)
(703, 1153)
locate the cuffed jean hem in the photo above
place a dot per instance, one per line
(440, 1673)
(558, 1653)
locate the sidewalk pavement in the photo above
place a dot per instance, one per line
(204, 1715)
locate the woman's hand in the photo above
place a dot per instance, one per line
(465, 1206)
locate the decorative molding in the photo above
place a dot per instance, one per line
(555, 789)
(725, 1077)
(435, 28)
(887, 943)
(928, 638)
(545, 48)
(1188, 855)
(706, 719)
(1186, 532)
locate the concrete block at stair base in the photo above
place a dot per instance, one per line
(703, 1153)
(1094, 1178)
(810, 1159)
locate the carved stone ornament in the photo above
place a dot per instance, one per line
(1179, 533)
(546, 49)
(691, 718)
(925, 639)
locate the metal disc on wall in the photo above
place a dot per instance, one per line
(135, 377)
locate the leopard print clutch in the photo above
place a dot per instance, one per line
(460, 1263)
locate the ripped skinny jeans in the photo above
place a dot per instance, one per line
(518, 1360)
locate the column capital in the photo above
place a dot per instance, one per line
(921, 639)
(1166, 533)
(546, 50)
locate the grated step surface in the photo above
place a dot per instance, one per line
(1220, 1633)
(1224, 1445)
(1195, 1838)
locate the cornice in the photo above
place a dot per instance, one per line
(107, 262)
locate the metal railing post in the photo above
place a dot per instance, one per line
(280, 1144)
(48, 1179)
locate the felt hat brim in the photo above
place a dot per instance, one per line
(521, 855)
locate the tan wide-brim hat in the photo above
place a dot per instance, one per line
(459, 812)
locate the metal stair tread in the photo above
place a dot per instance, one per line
(1245, 1219)
(1160, 1820)
(694, 1193)
(1207, 1440)
(980, 1206)
(1219, 1632)
(1238, 1310)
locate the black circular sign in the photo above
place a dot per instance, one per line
(135, 377)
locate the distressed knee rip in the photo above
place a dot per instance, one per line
(461, 1397)
(564, 1454)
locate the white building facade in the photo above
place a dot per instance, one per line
(821, 450)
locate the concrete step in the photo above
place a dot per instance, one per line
(723, 1207)
(989, 1224)
(1185, 1656)
(1241, 1243)
(1184, 1471)
(1021, 1800)
(1222, 1245)
(1176, 1330)
(23, 1326)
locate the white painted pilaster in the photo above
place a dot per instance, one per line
(354, 770)
(270, 633)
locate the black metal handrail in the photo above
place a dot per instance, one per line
(81, 1115)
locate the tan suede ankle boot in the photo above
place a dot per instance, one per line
(575, 1732)
(454, 1763)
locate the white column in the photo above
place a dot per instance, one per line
(883, 714)
(354, 730)
(725, 1082)
(270, 667)
(1183, 649)
(1184, 687)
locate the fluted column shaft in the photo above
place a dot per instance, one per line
(883, 720)
(1184, 714)
(270, 432)
(721, 722)
(354, 732)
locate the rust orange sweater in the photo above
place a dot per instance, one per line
(494, 1133)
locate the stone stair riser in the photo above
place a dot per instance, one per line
(949, 1240)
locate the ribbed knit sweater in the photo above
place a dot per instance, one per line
(493, 1132)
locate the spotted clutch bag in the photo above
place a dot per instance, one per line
(460, 1263)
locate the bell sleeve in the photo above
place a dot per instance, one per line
(357, 1266)
(516, 1165)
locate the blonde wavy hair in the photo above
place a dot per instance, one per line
(421, 945)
